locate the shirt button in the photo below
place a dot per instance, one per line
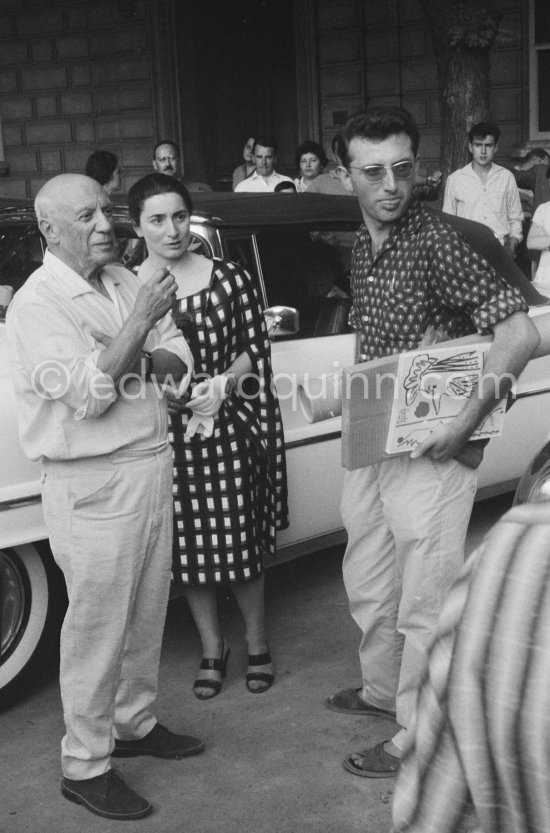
(370, 278)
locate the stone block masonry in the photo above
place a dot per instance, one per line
(74, 77)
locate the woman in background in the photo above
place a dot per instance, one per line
(248, 166)
(311, 161)
(229, 464)
(102, 166)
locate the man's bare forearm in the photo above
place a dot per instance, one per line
(515, 340)
(121, 354)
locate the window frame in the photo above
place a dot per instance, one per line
(534, 49)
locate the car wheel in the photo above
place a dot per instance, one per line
(32, 605)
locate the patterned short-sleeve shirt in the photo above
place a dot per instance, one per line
(424, 274)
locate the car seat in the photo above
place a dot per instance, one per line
(325, 317)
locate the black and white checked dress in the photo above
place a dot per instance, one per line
(230, 489)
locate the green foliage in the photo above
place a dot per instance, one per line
(472, 26)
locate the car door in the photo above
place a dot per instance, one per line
(307, 268)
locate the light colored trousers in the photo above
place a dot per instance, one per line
(406, 522)
(110, 525)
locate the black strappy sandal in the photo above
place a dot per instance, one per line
(266, 677)
(218, 665)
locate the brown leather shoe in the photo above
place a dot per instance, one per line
(107, 795)
(160, 743)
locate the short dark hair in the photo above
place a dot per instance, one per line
(376, 124)
(308, 146)
(285, 185)
(537, 153)
(482, 129)
(266, 142)
(101, 165)
(166, 142)
(151, 185)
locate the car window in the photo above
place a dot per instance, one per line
(241, 250)
(21, 252)
(308, 269)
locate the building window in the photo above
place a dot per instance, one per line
(539, 48)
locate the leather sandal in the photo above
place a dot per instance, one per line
(372, 763)
(265, 677)
(214, 685)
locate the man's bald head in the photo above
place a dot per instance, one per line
(74, 215)
(61, 191)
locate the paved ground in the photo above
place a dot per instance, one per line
(272, 763)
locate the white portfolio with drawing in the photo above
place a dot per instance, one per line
(432, 386)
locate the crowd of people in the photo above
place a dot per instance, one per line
(256, 174)
(140, 486)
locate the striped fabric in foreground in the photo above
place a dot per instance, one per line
(478, 757)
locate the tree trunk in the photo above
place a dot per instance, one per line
(463, 34)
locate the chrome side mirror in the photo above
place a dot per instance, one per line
(281, 321)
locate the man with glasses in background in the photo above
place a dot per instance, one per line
(167, 160)
(407, 517)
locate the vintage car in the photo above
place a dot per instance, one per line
(298, 250)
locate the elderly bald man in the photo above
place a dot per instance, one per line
(87, 340)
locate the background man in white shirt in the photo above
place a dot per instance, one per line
(485, 191)
(84, 337)
(264, 178)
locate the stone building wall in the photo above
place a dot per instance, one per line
(75, 76)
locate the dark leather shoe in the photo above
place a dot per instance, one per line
(107, 795)
(160, 743)
(348, 701)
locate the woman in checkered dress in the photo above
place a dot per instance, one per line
(229, 465)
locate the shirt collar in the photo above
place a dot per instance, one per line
(409, 223)
(72, 283)
(256, 175)
(492, 170)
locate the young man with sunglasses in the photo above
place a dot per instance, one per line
(407, 517)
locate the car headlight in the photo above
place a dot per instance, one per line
(534, 486)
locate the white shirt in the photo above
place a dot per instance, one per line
(495, 203)
(68, 408)
(261, 184)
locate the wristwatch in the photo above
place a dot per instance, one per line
(148, 364)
